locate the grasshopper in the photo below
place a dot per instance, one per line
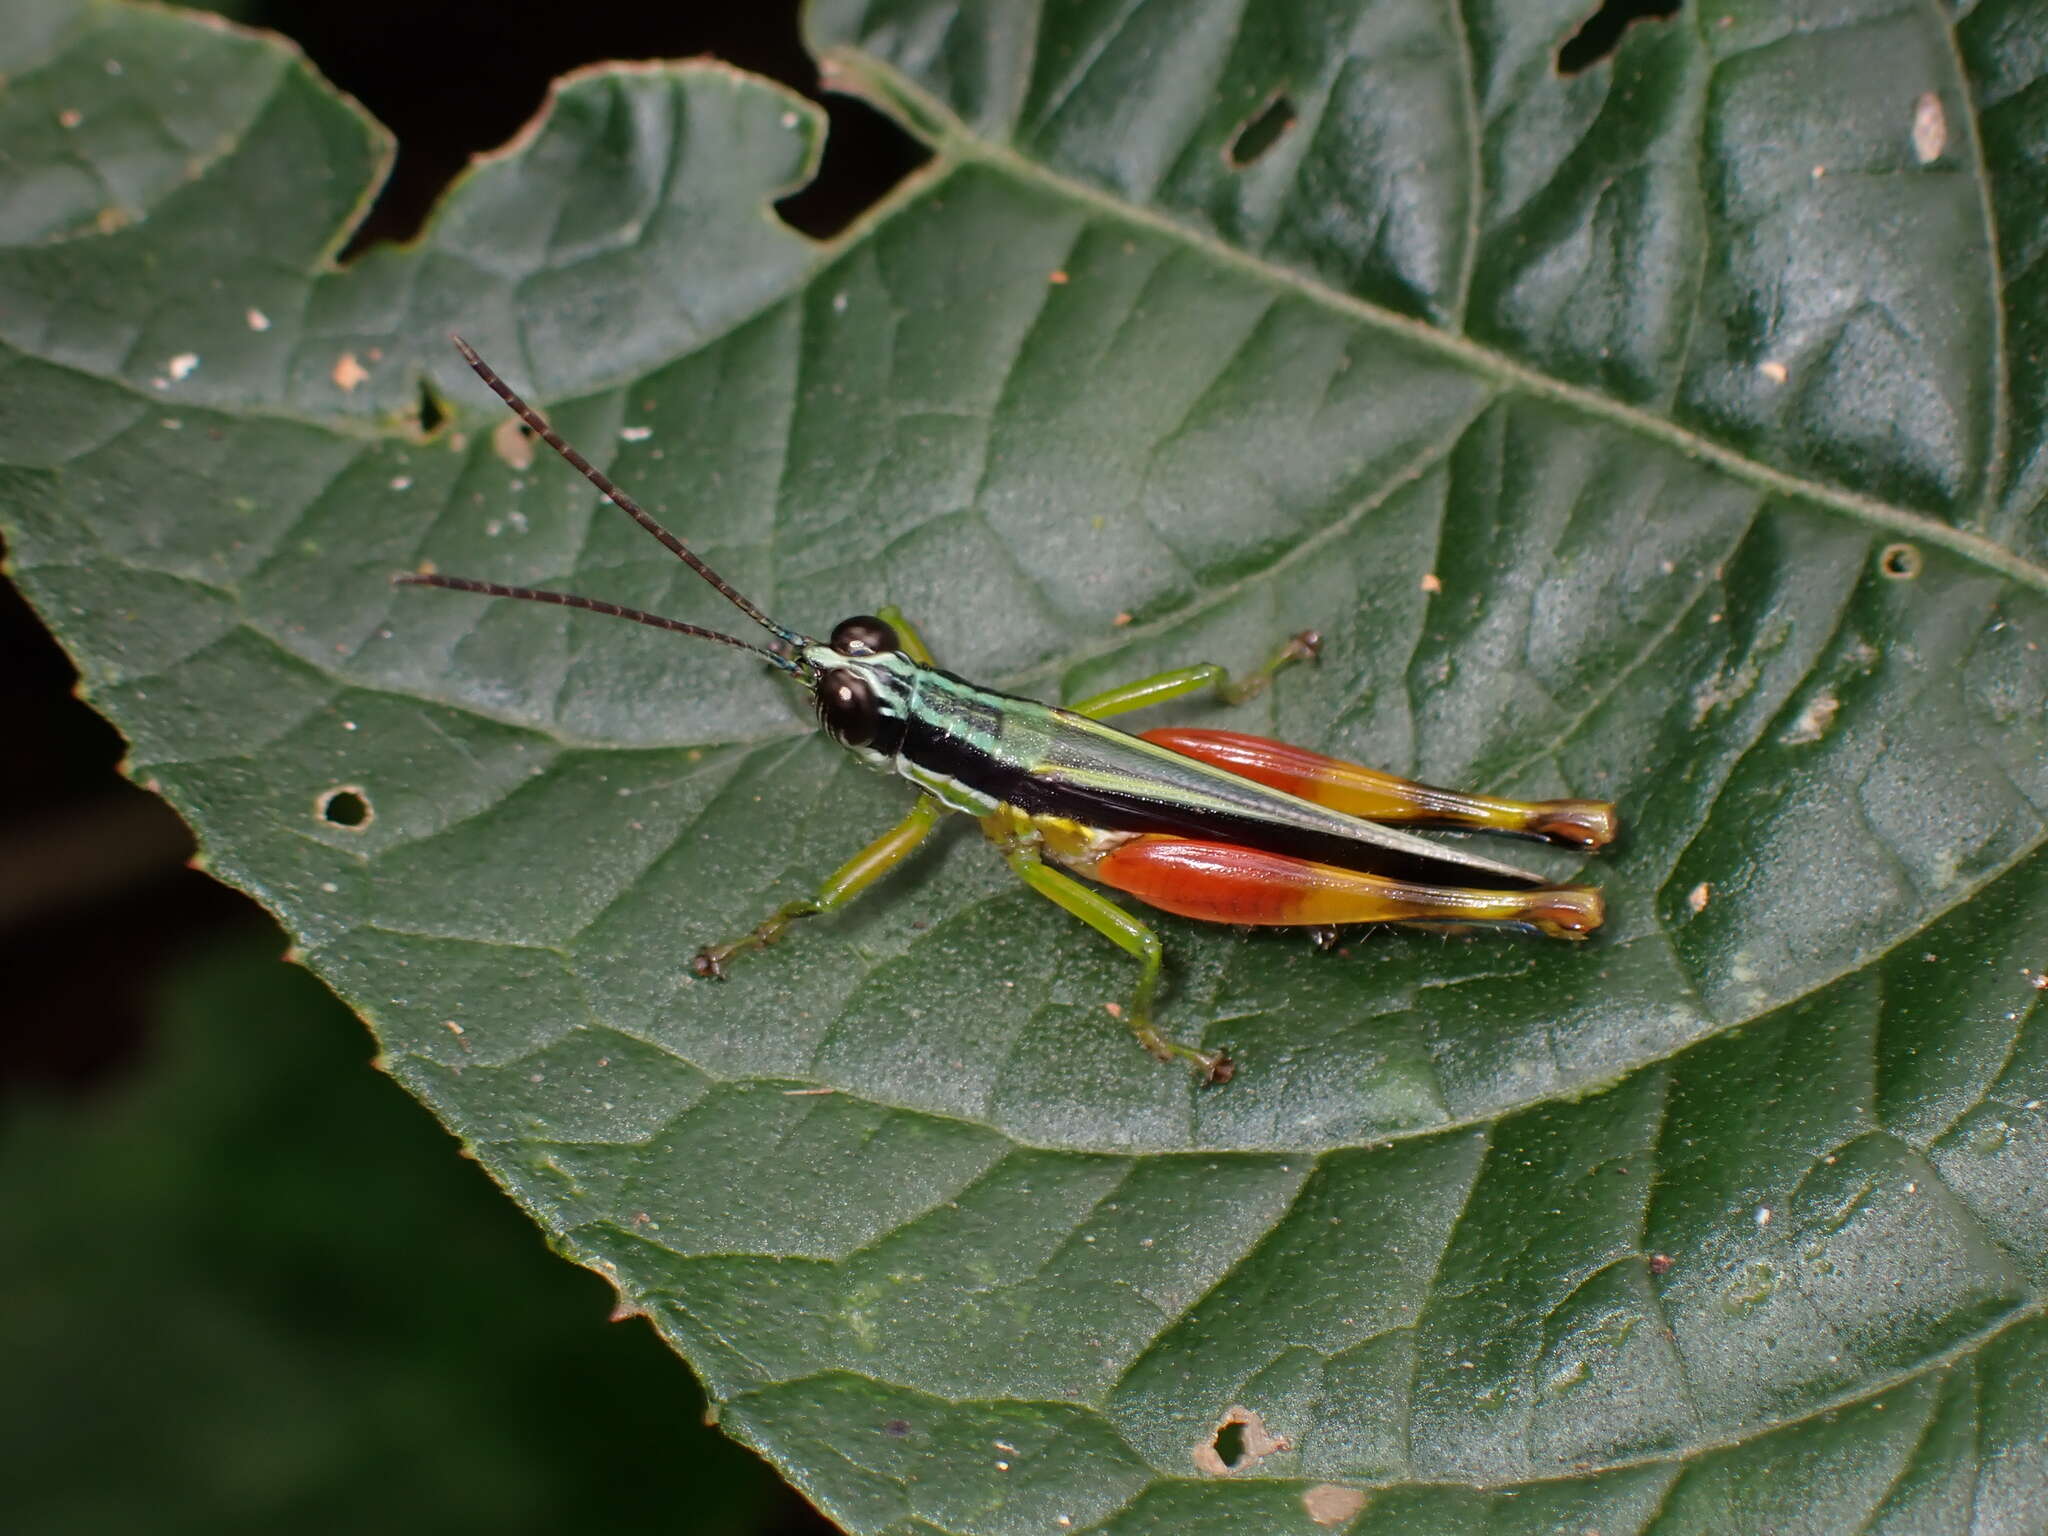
(1212, 825)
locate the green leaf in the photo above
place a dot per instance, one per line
(1706, 383)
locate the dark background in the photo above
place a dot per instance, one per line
(249, 1286)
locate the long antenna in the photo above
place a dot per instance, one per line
(617, 498)
(588, 604)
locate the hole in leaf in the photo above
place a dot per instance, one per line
(1601, 34)
(1229, 1444)
(470, 75)
(1265, 128)
(432, 413)
(1241, 1440)
(866, 155)
(347, 807)
(1901, 562)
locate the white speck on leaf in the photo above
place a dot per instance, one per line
(1723, 689)
(1698, 897)
(635, 434)
(1331, 1504)
(1774, 370)
(1812, 722)
(1930, 128)
(258, 321)
(182, 366)
(510, 442)
(348, 373)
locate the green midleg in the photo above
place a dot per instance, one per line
(1129, 934)
(847, 882)
(1182, 681)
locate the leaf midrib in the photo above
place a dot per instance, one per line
(951, 138)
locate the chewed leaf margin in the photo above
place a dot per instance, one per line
(1761, 1162)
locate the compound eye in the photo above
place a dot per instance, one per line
(848, 707)
(864, 635)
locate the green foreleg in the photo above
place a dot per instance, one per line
(906, 633)
(847, 882)
(1130, 935)
(1162, 687)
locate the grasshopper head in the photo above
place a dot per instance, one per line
(862, 682)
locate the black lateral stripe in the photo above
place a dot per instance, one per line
(935, 743)
(1119, 811)
(1017, 752)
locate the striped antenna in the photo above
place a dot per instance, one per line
(626, 504)
(587, 604)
